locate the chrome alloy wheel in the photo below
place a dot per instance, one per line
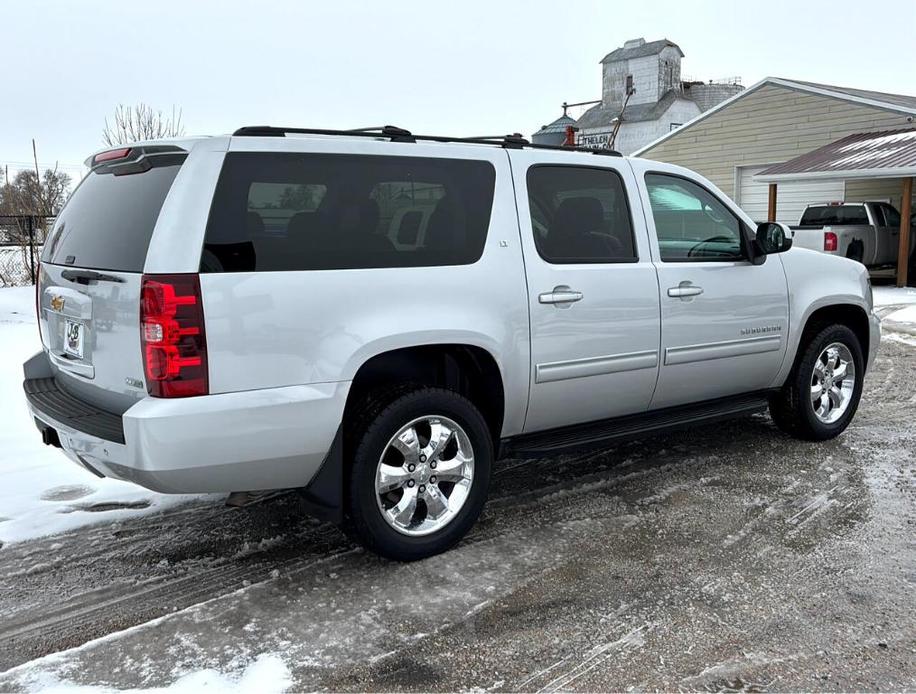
(833, 382)
(424, 475)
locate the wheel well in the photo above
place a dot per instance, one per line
(853, 317)
(465, 369)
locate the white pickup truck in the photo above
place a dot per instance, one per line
(868, 232)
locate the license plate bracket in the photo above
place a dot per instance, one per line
(74, 335)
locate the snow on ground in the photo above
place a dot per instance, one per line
(43, 492)
(265, 675)
(892, 296)
(897, 307)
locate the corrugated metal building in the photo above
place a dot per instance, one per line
(777, 120)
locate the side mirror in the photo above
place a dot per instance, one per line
(772, 237)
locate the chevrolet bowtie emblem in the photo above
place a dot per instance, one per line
(57, 302)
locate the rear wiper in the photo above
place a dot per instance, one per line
(87, 276)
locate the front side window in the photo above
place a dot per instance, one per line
(580, 215)
(691, 223)
(286, 211)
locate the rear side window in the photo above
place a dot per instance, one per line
(829, 215)
(108, 221)
(286, 211)
(580, 215)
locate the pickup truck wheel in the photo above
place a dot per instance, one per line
(420, 473)
(822, 393)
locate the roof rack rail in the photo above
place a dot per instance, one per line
(396, 134)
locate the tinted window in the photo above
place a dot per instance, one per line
(580, 215)
(691, 223)
(829, 215)
(108, 221)
(282, 211)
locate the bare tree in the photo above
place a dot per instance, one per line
(27, 194)
(141, 122)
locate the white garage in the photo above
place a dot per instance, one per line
(794, 196)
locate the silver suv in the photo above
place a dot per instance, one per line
(374, 316)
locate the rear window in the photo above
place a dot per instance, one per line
(830, 215)
(285, 211)
(108, 221)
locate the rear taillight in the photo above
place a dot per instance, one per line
(830, 241)
(172, 336)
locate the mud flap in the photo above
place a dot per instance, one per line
(323, 497)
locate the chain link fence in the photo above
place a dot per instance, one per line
(21, 240)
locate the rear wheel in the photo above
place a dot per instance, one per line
(822, 393)
(421, 469)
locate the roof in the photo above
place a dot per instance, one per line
(603, 114)
(649, 48)
(558, 126)
(886, 154)
(890, 102)
(898, 99)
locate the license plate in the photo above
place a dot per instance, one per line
(73, 338)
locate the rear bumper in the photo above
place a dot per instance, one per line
(260, 439)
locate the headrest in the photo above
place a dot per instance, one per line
(578, 216)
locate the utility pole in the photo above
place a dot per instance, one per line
(37, 201)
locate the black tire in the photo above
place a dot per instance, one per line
(792, 408)
(372, 426)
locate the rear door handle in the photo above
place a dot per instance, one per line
(560, 295)
(684, 290)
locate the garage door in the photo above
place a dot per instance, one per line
(791, 197)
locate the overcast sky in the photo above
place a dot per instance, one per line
(463, 67)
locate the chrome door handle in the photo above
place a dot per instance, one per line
(684, 290)
(560, 295)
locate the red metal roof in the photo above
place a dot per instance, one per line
(886, 154)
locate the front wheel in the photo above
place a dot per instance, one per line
(420, 473)
(822, 393)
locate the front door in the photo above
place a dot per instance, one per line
(593, 294)
(724, 319)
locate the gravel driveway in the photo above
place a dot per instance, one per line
(729, 557)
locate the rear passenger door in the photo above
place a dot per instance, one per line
(592, 289)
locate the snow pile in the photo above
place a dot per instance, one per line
(266, 675)
(43, 492)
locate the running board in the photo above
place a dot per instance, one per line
(597, 434)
